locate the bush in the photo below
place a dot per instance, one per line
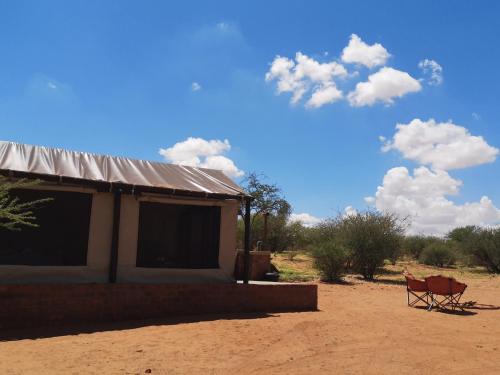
(484, 246)
(371, 237)
(479, 246)
(330, 260)
(414, 245)
(438, 254)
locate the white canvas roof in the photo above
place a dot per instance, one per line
(101, 168)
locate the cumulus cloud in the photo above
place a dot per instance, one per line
(440, 145)
(306, 219)
(423, 198)
(383, 86)
(195, 86)
(432, 70)
(306, 74)
(198, 152)
(350, 211)
(358, 52)
(324, 95)
(369, 200)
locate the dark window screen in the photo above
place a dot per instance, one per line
(178, 236)
(61, 238)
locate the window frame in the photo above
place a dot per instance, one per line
(205, 256)
(83, 228)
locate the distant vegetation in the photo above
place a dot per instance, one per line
(361, 243)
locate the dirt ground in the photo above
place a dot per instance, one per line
(361, 328)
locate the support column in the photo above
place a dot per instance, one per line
(246, 258)
(113, 262)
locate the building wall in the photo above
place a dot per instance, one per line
(129, 225)
(98, 253)
(99, 247)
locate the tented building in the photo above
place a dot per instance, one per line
(118, 219)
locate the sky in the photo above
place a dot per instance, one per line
(346, 106)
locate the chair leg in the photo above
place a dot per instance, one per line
(456, 302)
(431, 305)
(423, 298)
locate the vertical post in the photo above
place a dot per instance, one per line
(246, 258)
(264, 239)
(113, 263)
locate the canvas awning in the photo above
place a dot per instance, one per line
(40, 162)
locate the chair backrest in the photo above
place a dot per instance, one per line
(414, 284)
(439, 284)
(457, 287)
(444, 285)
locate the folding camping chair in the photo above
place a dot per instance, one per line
(418, 289)
(448, 289)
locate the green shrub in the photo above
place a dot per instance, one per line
(438, 254)
(484, 246)
(371, 237)
(330, 260)
(414, 245)
(479, 246)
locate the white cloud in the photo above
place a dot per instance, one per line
(383, 86)
(198, 152)
(306, 219)
(423, 198)
(433, 70)
(358, 52)
(306, 74)
(222, 163)
(51, 85)
(441, 145)
(369, 200)
(350, 211)
(195, 86)
(324, 95)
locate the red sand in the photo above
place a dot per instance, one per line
(364, 328)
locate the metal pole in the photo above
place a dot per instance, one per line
(264, 240)
(113, 263)
(246, 258)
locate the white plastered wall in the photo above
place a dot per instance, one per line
(129, 227)
(99, 247)
(98, 253)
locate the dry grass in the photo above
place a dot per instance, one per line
(300, 268)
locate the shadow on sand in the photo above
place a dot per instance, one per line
(76, 329)
(380, 280)
(467, 308)
(447, 311)
(482, 306)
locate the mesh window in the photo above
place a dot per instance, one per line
(61, 238)
(178, 236)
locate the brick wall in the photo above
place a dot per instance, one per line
(56, 304)
(260, 262)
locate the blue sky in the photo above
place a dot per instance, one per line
(116, 77)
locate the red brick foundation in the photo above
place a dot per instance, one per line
(260, 263)
(56, 304)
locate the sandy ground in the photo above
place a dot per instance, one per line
(362, 328)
